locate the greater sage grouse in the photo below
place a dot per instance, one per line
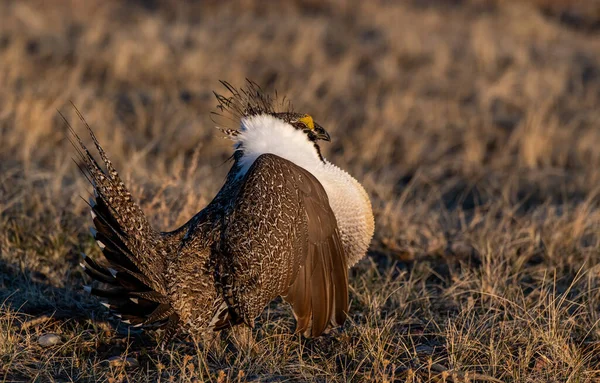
(286, 223)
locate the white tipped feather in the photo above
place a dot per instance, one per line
(134, 300)
(93, 214)
(126, 321)
(101, 245)
(113, 272)
(215, 319)
(82, 265)
(87, 289)
(105, 305)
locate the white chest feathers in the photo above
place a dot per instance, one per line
(347, 198)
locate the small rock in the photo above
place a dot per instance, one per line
(119, 361)
(48, 340)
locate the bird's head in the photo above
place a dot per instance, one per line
(305, 123)
(272, 121)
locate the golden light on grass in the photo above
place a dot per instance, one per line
(474, 126)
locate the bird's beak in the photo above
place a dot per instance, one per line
(321, 133)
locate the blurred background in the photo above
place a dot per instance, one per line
(474, 125)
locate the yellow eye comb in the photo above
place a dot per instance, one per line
(308, 121)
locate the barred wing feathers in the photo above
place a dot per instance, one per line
(282, 238)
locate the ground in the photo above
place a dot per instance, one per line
(473, 125)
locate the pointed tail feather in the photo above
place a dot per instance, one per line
(117, 217)
(133, 285)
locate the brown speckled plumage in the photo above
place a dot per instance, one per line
(269, 232)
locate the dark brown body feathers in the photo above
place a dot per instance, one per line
(267, 233)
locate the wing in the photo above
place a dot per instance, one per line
(281, 238)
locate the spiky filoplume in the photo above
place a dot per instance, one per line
(285, 223)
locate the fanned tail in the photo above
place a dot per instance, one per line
(132, 285)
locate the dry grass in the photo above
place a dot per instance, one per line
(474, 125)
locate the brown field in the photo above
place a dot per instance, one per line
(474, 126)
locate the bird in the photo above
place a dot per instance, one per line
(286, 223)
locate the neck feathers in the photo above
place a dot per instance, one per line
(267, 134)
